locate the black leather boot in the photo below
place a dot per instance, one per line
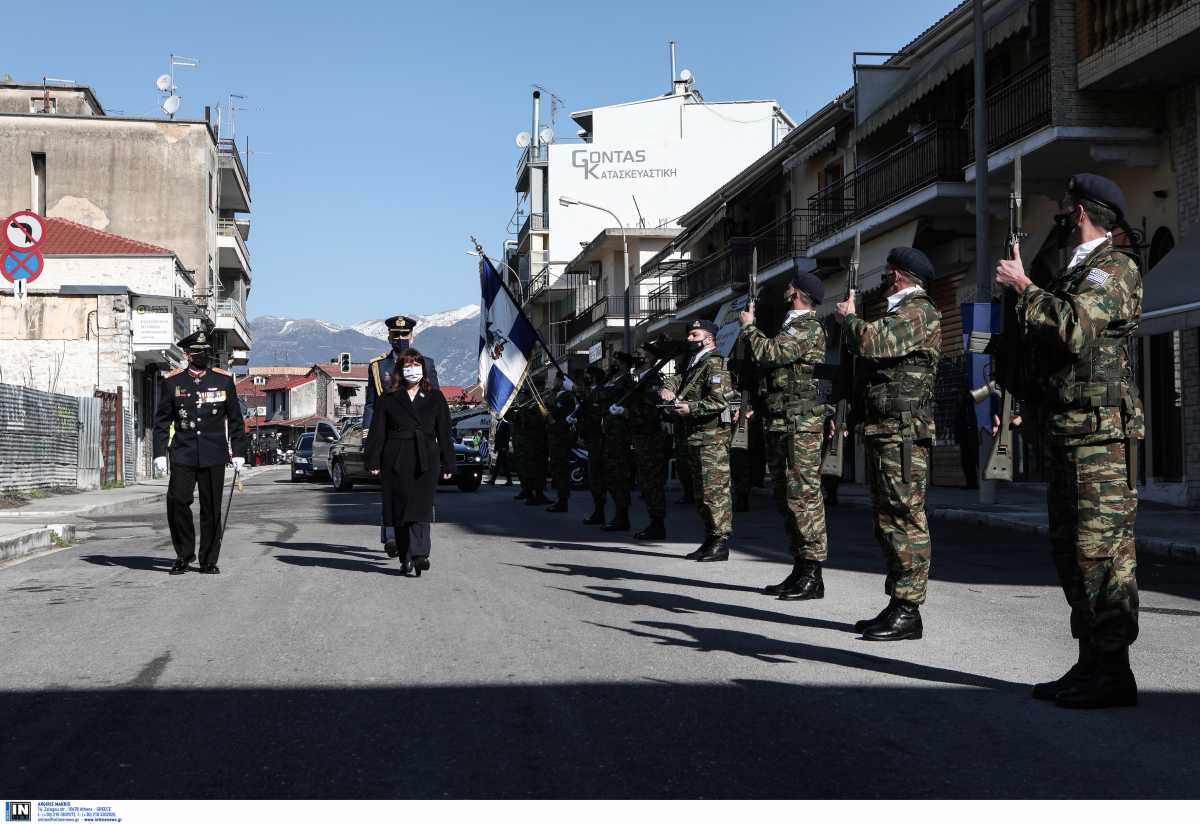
(619, 523)
(596, 518)
(1079, 673)
(861, 626)
(808, 587)
(179, 568)
(537, 498)
(741, 502)
(786, 583)
(522, 495)
(1111, 684)
(657, 530)
(700, 550)
(718, 550)
(901, 622)
(558, 506)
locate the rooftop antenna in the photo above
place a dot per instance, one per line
(166, 83)
(46, 81)
(641, 219)
(555, 102)
(673, 74)
(233, 108)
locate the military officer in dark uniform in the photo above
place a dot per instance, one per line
(380, 374)
(202, 405)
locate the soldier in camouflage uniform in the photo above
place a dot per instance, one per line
(618, 441)
(898, 359)
(520, 449)
(679, 440)
(560, 430)
(794, 418)
(702, 394)
(645, 420)
(1074, 343)
(537, 449)
(591, 408)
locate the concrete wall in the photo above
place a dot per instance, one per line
(16, 99)
(302, 400)
(144, 275)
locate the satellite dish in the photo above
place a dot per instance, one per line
(523, 140)
(163, 83)
(686, 76)
(547, 135)
(171, 104)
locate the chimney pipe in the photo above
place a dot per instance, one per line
(537, 116)
(673, 75)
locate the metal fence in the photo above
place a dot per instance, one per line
(39, 439)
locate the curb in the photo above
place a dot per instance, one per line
(95, 509)
(15, 547)
(1146, 545)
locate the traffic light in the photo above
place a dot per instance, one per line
(344, 361)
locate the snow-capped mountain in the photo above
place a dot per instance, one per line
(451, 338)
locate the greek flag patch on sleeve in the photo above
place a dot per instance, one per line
(715, 379)
(1098, 277)
(793, 331)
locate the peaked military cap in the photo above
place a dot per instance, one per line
(196, 340)
(913, 261)
(1099, 189)
(400, 326)
(706, 325)
(809, 284)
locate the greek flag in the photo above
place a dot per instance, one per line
(506, 341)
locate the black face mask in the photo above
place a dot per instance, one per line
(696, 345)
(1064, 228)
(889, 279)
(399, 344)
(198, 360)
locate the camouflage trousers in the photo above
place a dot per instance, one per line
(1092, 511)
(537, 463)
(795, 461)
(618, 467)
(596, 471)
(681, 461)
(708, 463)
(651, 471)
(560, 462)
(899, 510)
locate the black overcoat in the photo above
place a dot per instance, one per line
(410, 443)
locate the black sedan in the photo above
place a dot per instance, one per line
(347, 466)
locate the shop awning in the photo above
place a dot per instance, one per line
(1171, 299)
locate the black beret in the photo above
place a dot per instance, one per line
(706, 325)
(913, 261)
(400, 325)
(196, 340)
(1099, 189)
(623, 357)
(809, 284)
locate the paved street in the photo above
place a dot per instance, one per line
(542, 658)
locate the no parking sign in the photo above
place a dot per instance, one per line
(21, 262)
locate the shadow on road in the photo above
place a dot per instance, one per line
(143, 563)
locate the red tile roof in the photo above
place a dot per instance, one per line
(459, 393)
(277, 382)
(358, 371)
(65, 237)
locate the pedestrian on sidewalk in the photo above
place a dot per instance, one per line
(898, 355)
(201, 403)
(1075, 336)
(410, 446)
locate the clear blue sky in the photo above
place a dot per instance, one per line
(401, 116)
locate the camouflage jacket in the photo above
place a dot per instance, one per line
(707, 390)
(644, 415)
(614, 391)
(591, 410)
(899, 355)
(563, 405)
(533, 427)
(786, 365)
(1077, 330)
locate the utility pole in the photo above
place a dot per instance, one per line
(982, 308)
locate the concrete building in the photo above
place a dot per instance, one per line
(646, 162)
(170, 183)
(340, 394)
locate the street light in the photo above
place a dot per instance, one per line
(570, 201)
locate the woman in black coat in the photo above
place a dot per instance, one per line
(410, 446)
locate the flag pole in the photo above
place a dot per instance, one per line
(549, 354)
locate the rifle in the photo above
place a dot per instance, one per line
(741, 434)
(831, 464)
(667, 351)
(999, 465)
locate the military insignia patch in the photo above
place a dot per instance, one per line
(715, 379)
(1098, 277)
(793, 331)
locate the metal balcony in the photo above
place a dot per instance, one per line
(538, 155)
(234, 186)
(536, 222)
(610, 310)
(231, 317)
(234, 254)
(1015, 109)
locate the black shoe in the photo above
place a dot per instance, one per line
(179, 567)
(538, 499)
(420, 564)
(686, 499)
(210, 569)
(522, 495)
(596, 518)
(861, 626)
(1076, 676)
(657, 530)
(700, 550)
(391, 549)
(619, 523)
(901, 622)
(1100, 690)
(405, 565)
(808, 587)
(786, 583)
(558, 506)
(718, 550)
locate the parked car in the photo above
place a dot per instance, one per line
(347, 466)
(302, 463)
(326, 436)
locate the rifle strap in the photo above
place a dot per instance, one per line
(906, 446)
(1131, 462)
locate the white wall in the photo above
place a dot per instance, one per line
(302, 400)
(141, 274)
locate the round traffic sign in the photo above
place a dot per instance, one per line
(24, 230)
(21, 264)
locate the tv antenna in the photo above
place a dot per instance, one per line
(555, 102)
(166, 83)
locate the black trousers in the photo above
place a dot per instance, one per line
(185, 479)
(413, 539)
(503, 459)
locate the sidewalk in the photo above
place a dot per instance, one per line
(1162, 531)
(32, 527)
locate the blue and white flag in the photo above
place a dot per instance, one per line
(506, 341)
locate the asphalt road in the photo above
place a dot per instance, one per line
(542, 658)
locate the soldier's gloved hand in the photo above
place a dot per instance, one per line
(568, 384)
(238, 463)
(616, 410)
(160, 464)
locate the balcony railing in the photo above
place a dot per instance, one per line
(1103, 23)
(229, 228)
(536, 222)
(532, 155)
(1015, 109)
(343, 410)
(609, 307)
(786, 238)
(228, 148)
(663, 300)
(707, 275)
(230, 308)
(938, 154)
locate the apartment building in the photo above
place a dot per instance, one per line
(174, 184)
(635, 166)
(1072, 86)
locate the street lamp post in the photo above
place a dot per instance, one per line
(569, 201)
